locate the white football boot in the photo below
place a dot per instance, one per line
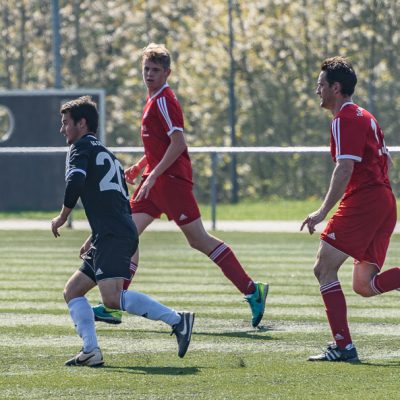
(93, 358)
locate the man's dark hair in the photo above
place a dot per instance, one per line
(83, 107)
(339, 69)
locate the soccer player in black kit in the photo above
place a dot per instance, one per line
(95, 175)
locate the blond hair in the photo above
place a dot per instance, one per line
(158, 54)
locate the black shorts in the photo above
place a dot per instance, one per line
(110, 258)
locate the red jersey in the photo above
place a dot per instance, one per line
(356, 134)
(162, 115)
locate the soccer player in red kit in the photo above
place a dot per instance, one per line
(365, 219)
(167, 185)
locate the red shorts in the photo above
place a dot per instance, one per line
(171, 196)
(363, 224)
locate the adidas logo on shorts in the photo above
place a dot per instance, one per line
(331, 236)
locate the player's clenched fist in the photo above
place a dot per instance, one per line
(133, 172)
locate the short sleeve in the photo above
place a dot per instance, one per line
(77, 161)
(171, 115)
(349, 138)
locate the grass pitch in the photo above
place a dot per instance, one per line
(227, 359)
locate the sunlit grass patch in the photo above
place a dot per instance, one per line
(227, 359)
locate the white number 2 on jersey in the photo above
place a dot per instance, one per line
(383, 149)
(115, 169)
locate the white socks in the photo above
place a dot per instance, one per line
(140, 304)
(82, 315)
(133, 302)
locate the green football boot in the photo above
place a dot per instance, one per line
(256, 301)
(108, 315)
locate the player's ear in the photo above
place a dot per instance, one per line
(82, 123)
(337, 88)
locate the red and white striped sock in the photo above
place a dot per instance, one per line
(386, 281)
(336, 311)
(225, 258)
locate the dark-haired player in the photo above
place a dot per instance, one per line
(364, 221)
(167, 185)
(96, 176)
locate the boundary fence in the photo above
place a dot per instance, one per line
(213, 151)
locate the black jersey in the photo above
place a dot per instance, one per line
(104, 194)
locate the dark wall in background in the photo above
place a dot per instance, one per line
(34, 181)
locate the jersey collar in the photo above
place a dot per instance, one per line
(345, 104)
(89, 134)
(160, 90)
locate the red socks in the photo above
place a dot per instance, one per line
(336, 311)
(386, 281)
(132, 269)
(224, 257)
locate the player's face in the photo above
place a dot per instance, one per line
(325, 92)
(69, 129)
(154, 76)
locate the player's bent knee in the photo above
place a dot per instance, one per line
(197, 244)
(68, 296)
(324, 274)
(193, 244)
(364, 293)
(68, 293)
(363, 290)
(205, 243)
(112, 301)
(112, 304)
(318, 271)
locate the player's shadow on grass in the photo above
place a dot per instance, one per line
(379, 363)
(254, 334)
(251, 335)
(173, 371)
